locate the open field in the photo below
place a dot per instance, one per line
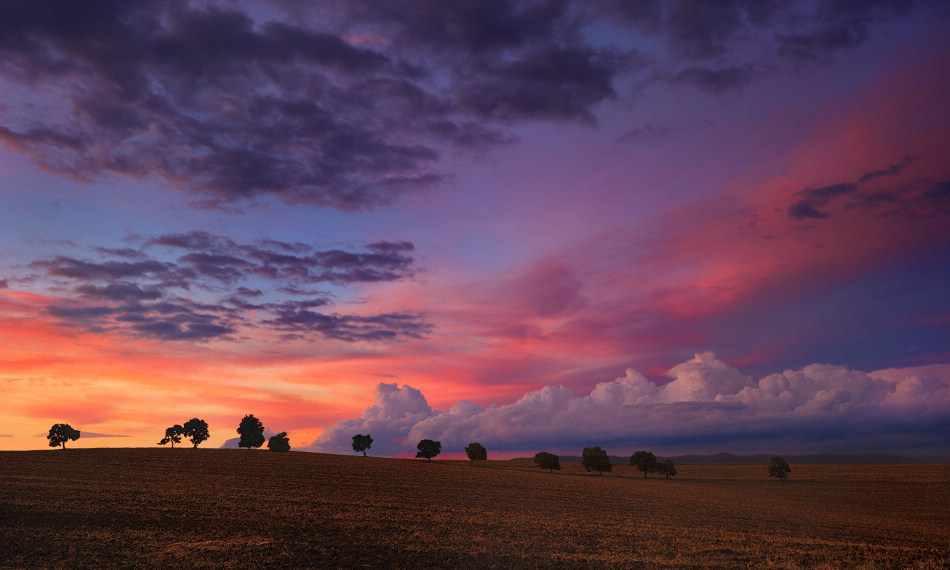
(205, 507)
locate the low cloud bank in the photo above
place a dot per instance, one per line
(707, 406)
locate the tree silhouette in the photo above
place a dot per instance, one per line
(778, 467)
(196, 430)
(667, 468)
(476, 452)
(362, 443)
(428, 449)
(59, 434)
(251, 431)
(279, 442)
(173, 435)
(644, 461)
(595, 459)
(547, 461)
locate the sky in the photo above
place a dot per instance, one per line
(682, 226)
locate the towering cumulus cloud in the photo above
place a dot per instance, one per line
(707, 406)
(393, 415)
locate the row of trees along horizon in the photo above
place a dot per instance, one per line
(251, 431)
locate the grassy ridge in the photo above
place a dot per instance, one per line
(204, 507)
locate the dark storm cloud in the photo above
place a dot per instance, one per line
(645, 132)
(696, 29)
(940, 192)
(917, 198)
(895, 168)
(86, 313)
(351, 104)
(144, 298)
(715, 80)
(702, 29)
(839, 25)
(171, 330)
(802, 210)
(62, 266)
(298, 318)
(125, 252)
(227, 261)
(813, 198)
(119, 291)
(718, 46)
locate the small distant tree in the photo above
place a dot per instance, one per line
(428, 449)
(476, 452)
(279, 442)
(362, 443)
(173, 435)
(59, 434)
(595, 459)
(251, 431)
(644, 461)
(778, 467)
(667, 468)
(547, 461)
(196, 430)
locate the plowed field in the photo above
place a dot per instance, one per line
(205, 507)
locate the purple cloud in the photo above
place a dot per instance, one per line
(280, 109)
(144, 298)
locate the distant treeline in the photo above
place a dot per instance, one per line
(816, 459)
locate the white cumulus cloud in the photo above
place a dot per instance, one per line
(388, 421)
(707, 406)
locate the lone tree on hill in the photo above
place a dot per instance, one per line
(362, 443)
(173, 435)
(429, 449)
(778, 467)
(279, 442)
(476, 452)
(59, 434)
(196, 430)
(667, 468)
(644, 461)
(595, 459)
(547, 461)
(251, 431)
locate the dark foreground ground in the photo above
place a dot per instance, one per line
(203, 507)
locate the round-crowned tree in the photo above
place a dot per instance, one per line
(251, 431)
(59, 434)
(279, 442)
(428, 449)
(595, 459)
(644, 461)
(362, 443)
(778, 467)
(667, 468)
(196, 430)
(476, 452)
(547, 461)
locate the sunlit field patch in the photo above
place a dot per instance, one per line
(202, 507)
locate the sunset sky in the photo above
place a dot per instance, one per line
(683, 226)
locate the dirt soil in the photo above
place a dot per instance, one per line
(187, 507)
